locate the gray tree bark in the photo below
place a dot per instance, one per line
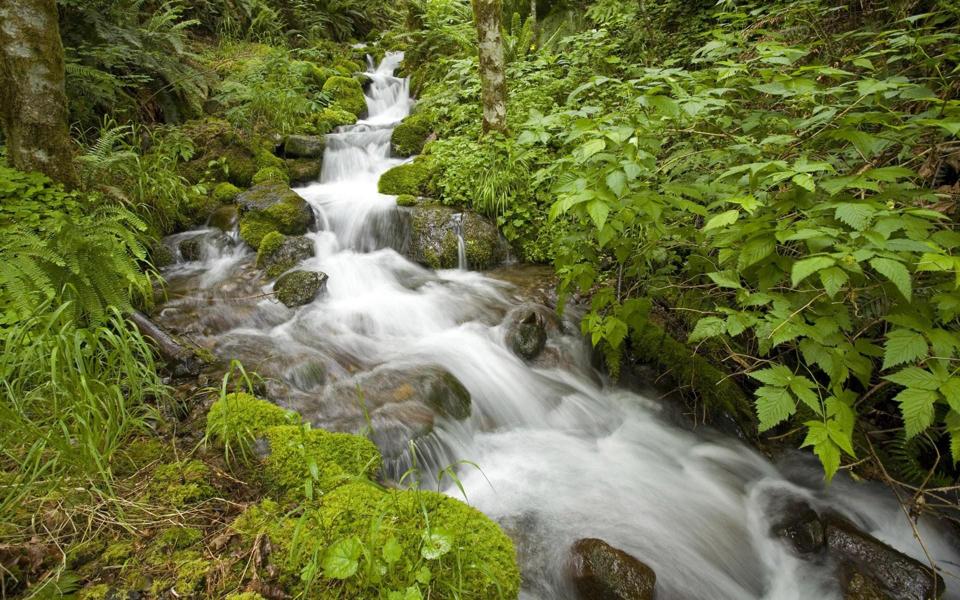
(33, 101)
(493, 76)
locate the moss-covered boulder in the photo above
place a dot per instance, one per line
(304, 170)
(410, 136)
(412, 178)
(304, 146)
(237, 420)
(271, 175)
(272, 207)
(299, 288)
(225, 193)
(464, 552)
(347, 93)
(221, 151)
(433, 238)
(330, 118)
(279, 253)
(225, 218)
(406, 200)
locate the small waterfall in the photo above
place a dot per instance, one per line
(461, 243)
(564, 452)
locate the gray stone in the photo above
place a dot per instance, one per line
(432, 237)
(304, 146)
(275, 260)
(298, 288)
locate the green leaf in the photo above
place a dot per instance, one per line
(598, 210)
(436, 543)
(805, 180)
(778, 375)
(342, 559)
(833, 280)
(916, 405)
(774, 406)
(392, 551)
(707, 327)
(424, 575)
(857, 216)
(818, 437)
(755, 251)
(896, 273)
(413, 592)
(915, 377)
(953, 428)
(903, 346)
(726, 279)
(808, 266)
(803, 389)
(951, 391)
(724, 219)
(617, 182)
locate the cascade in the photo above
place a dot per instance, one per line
(563, 453)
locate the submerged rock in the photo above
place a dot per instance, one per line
(270, 207)
(868, 569)
(279, 253)
(526, 332)
(433, 239)
(225, 218)
(304, 146)
(602, 572)
(298, 288)
(202, 246)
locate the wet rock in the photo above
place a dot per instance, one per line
(801, 528)
(279, 253)
(858, 586)
(298, 288)
(203, 245)
(225, 218)
(270, 207)
(304, 170)
(896, 573)
(602, 572)
(304, 146)
(433, 239)
(526, 332)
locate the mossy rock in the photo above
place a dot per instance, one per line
(410, 136)
(238, 419)
(410, 179)
(406, 200)
(279, 253)
(433, 238)
(299, 288)
(330, 118)
(347, 93)
(245, 596)
(181, 484)
(225, 193)
(272, 207)
(480, 561)
(304, 170)
(235, 157)
(304, 146)
(197, 209)
(298, 455)
(225, 218)
(271, 175)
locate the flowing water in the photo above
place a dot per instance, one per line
(564, 453)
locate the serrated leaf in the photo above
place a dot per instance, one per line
(805, 180)
(953, 428)
(818, 437)
(774, 406)
(808, 266)
(896, 273)
(342, 558)
(598, 211)
(857, 216)
(916, 406)
(778, 376)
(724, 219)
(755, 251)
(833, 280)
(903, 346)
(617, 182)
(726, 279)
(840, 437)
(803, 389)
(915, 377)
(707, 327)
(951, 392)
(436, 543)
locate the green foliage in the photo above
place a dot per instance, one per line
(781, 182)
(346, 93)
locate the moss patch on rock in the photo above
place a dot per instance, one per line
(412, 179)
(271, 175)
(304, 170)
(237, 419)
(299, 288)
(225, 193)
(279, 253)
(181, 484)
(332, 117)
(410, 136)
(347, 93)
(272, 207)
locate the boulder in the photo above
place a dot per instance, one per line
(410, 136)
(858, 586)
(526, 334)
(602, 572)
(225, 218)
(203, 246)
(432, 238)
(801, 528)
(304, 146)
(279, 253)
(270, 207)
(298, 288)
(899, 575)
(304, 170)
(347, 93)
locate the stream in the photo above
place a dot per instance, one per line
(563, 453)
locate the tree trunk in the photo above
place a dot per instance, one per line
(33, 101)
(493, 78)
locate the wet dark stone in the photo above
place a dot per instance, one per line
(526, 332)
(304, 146)
(899, 575)
(801, 527)
(225, 218)
(602, 572)
(859, 586)
(298, 288)
(192, 249)
(293, 250)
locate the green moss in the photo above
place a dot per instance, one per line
(413, 179)
(245, 596)
(272, 207)
(347, 93)
(270, 244)
(117, 554)
(198, 209)
(181, 483)
(237, 419)
(266, 159)
(411, 135)
(177, 538)
(332, 117)
(271, 175)
(254, 228)
(406, 200)
(299, 454)
(94, 592)
(225, 193)
(191, 572)
(241, 165)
